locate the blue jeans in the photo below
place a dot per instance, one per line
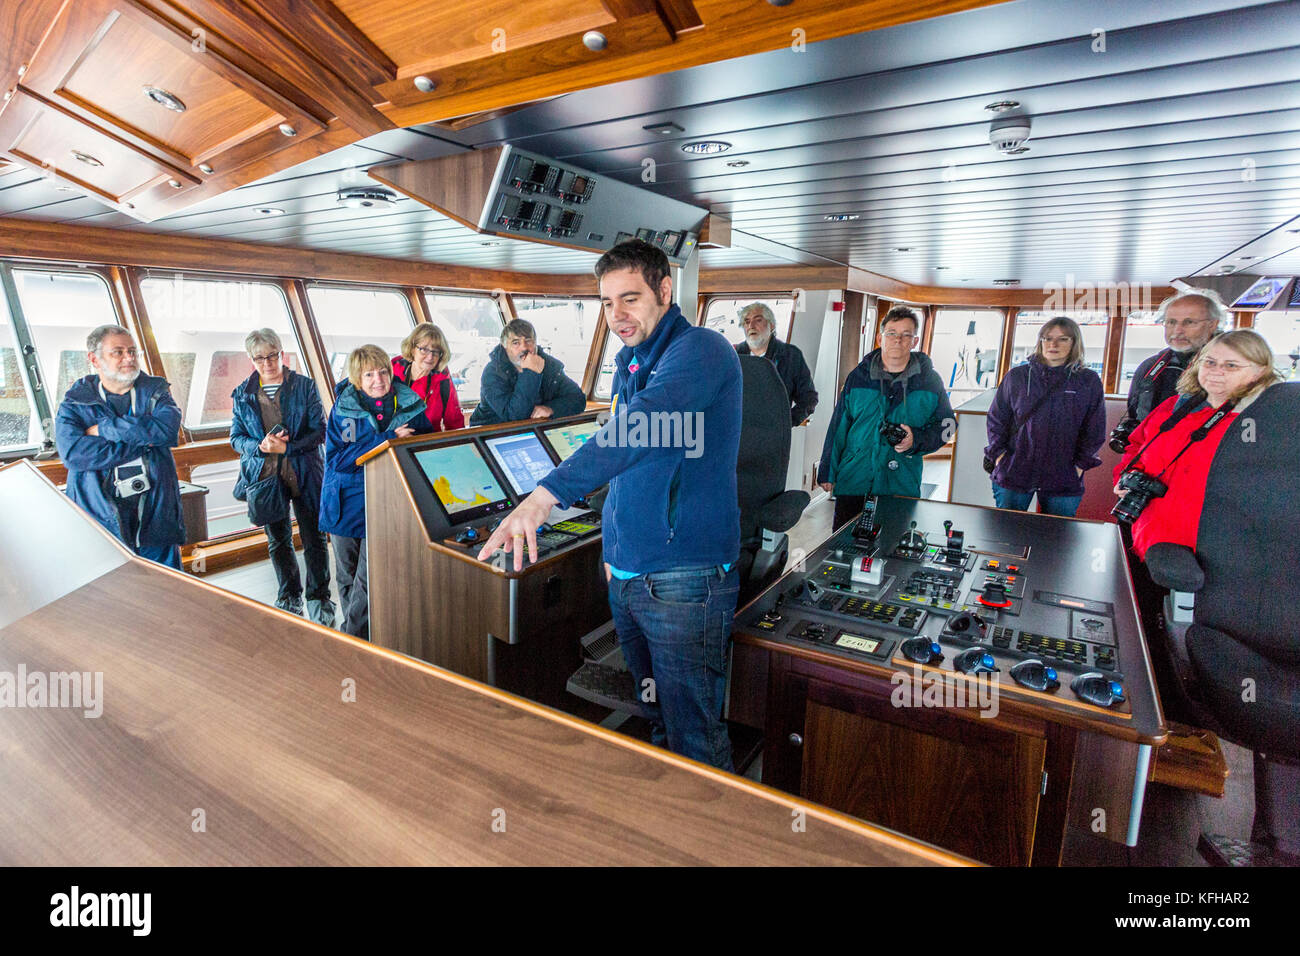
(169, 555)
(674, 627)
(1063, 505)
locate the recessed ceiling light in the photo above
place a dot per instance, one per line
(1293, 231)
(268, 211)
(738, 163)
(288, 130)
(206, 168)
(86, 158)
(594, 40)
(1227, 268)
(903, 248)
(165, 99)
(1001, 106)
(365, 197)
(780, 3)
(706, 146)
(665, 128)
(490, 242)
(940, 268)
(1246, 258)
(842, 217)
(424, 84)
(174, 183)
(1006, 282)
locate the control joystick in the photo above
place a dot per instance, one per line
(921, 650)
(468, 536)
(913, 541)
(1035, 675)
(967, 626)
(1097, 689)
(995, 595)
(974, 660)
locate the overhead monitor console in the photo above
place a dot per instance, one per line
(463, 488)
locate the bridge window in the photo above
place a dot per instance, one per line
(1281, 330)
(965, 350)
(1094, 325)
(723, 315)
(350, 318)
(200, 326)
(472, 325)
(564, 328)
(20, 426)
(1143, 337)
(604, 390)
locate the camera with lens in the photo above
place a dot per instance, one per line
(1119, 437)
(1142, 490)
(892, 433)
(134, 482)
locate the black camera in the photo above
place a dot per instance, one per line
(892, 433)
(1119, 437)
(1142, 490)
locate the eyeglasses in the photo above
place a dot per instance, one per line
(268, 357)
(1057, 339)
(432, 353)
(118, 354)
(1228, 367)
(898, 336)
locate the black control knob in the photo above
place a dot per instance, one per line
(995, 595)
(1035, 675)
(1098, 689)
(922, 650)
(974, 660)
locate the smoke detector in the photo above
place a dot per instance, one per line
(1009, 136)
(365, 197)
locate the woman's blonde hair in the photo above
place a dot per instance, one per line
(430, 336)
(1247, 343)
(364, 359)
(1071, 328)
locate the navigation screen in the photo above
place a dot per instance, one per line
(462, 481)
(522, 458)
(566, 439)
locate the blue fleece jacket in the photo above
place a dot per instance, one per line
(668, 507)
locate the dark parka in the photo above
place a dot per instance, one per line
(855, 459)
(350, 433)
(1063, 434)
(303, 417)
(150, 432)
(509, 395)
(793, 369)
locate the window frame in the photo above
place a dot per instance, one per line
(418, 313)
(702, 314)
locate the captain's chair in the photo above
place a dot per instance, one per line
(1244, 640)
(767, 510)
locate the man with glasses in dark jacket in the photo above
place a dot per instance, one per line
(115, 430)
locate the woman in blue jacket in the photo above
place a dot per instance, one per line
(1045, 425)
(370, 408)
(278, 426)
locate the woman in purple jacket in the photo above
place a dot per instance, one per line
(1045, 425)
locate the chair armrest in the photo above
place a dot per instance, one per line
(1174, 566)
(783, 512)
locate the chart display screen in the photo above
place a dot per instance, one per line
(462, 481)
(566, 439)
(522, 458)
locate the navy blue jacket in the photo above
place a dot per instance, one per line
(303, 417)
(1063, 434)
(351, 433)
(668, 507)
(508, 395)
(796, 377)
(150, 432)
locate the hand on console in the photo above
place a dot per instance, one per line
(520, 527)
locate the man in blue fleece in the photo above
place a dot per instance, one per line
(671, 522)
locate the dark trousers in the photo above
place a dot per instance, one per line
(279, 544)
(350, 562)
(847, 507)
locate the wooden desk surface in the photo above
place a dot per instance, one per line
(214, 703)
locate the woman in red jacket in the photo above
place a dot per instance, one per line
(1226, 376)
(423, 366)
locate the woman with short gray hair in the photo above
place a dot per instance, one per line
(278, 427)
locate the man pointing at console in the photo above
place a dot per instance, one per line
(671, 523)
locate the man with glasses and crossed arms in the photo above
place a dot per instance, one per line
(115, 430)
(892, 412)
(1190, 319)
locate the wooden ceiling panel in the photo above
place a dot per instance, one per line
(421, 35)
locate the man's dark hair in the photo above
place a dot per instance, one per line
(639, 255)
(520, 327)
(898, 313)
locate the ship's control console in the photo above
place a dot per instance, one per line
(955, 599)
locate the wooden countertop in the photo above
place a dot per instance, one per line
(219, 708)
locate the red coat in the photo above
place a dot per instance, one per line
(429, 388)
(1176, 516)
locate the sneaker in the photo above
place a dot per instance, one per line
(322, 612)
(291, 604)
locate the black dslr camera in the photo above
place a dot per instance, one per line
(1142, 490)
(1119, 437)
(892, 433)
